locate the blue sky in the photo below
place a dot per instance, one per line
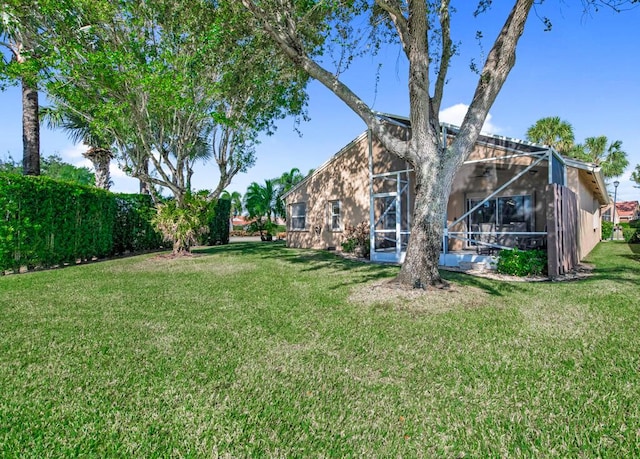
(585, 70)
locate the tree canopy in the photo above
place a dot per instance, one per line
(53, 167)
(172, 83)
(553, 132)
(635, 175)
(304, 31)
(558, 134)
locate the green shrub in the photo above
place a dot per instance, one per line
(219, 223)
(264, 227)
(45, 222)
(356, 238)
(183, 223)
(607, 230)
(522, 263)
(133, 231)
(631, 235)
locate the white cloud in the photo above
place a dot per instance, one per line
(455, 114)
(115, 170)
(122, 183)
(73, 153)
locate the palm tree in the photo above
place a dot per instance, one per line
(17, 34)
(79, 130)
(261, 203)
(635, 175)
(553, 132)
(236, 203)
(612, 159)
(285, 182)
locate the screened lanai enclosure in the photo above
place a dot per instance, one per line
(508, 194)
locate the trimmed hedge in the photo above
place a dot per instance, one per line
(219, 224)
(606, 230)
(45, 223)
(631, 231)
(133, 231)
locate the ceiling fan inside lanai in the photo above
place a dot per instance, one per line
(487, 171)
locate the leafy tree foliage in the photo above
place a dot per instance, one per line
(635, 175)
(553, 132)
(173, 83)
(609, 156)
(305, 31)
(53, 167)
(10, 166)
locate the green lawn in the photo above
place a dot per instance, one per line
(255, 350)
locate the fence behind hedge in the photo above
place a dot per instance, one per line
(46, 223)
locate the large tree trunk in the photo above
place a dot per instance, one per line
(435, 167)
(420, 268)
(101, 159)
(30, 130)
(144, 186)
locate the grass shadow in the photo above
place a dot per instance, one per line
(309, 260)
(490, 286)
(618, 264)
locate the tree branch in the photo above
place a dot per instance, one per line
(394, 10)
(294, 50)
(499, 63)
(445, 57)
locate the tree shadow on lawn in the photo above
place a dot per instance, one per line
(491, 286)
(627, 272)
(310, 260)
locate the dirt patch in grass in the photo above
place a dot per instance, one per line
(391, 294)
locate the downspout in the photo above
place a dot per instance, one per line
(445, 227)
(371, 216)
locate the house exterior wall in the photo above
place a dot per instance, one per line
(345, 178)
(589, 218)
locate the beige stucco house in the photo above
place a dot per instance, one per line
(509, 193)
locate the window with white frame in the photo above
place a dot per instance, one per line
(298, 216)
(334, 216)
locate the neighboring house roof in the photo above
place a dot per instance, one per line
(590, 172)
(240, 221)
(627, 209)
